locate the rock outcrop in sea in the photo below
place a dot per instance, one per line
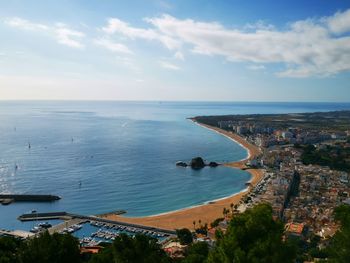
(213, 164)
(197, 163)
(182, 164)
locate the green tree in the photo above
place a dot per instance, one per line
(197, 253)
(185, 236)
(224, 212)
(125, 249)
(340, 244)
(253, 236)
(216, 222)
(48, 248)
(104, 256)
(202, 230)
(8, 249)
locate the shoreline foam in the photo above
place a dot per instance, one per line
(209, 210)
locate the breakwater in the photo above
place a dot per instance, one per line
(44, 216)
(6, 199)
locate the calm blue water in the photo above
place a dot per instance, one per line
(123, 153)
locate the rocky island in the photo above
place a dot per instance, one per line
(197, 163)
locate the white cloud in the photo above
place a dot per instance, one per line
(69, 37)
(310, 47)
(179, 55)
(60, 31)
(24, 24)
(306, 48)
(168, 65)
(340, 22)
(118, 26)
(256, 67)
(259, 25)
(113, 46)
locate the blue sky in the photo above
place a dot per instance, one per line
(175, 50)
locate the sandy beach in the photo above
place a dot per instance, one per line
(207, 213)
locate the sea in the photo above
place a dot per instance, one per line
(104, 156)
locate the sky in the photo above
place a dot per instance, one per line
(165, 50)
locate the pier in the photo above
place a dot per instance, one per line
(45, 216)
(6, 199)
(64, 225)
(71, 219)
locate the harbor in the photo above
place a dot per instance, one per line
(90, 230)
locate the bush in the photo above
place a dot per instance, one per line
(185, 236)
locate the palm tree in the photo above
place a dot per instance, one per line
(224, 211)
(206, 226)
(200, 223)
(231, 205)
(194, 224)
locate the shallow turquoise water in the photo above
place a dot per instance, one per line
(105, 156)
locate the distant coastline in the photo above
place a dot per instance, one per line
(252, 150)
(211, 210)
(222, 132)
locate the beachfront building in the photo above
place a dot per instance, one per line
(303, 196)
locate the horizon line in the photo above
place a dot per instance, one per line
(161, 101)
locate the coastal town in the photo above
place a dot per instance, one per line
(163, 131)
(302, 193)
(289, 172)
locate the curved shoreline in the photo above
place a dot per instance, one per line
(209, 211)
(223, 133)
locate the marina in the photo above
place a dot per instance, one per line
(91, 230)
